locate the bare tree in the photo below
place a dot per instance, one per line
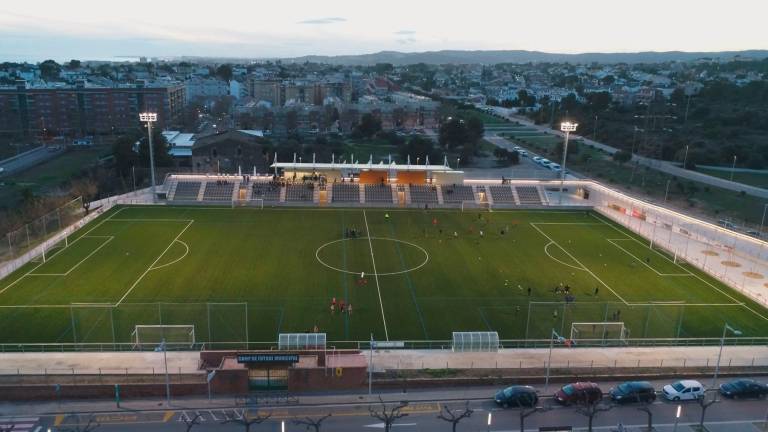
(87, 188)
(646, 408)
(525, 413)
(190, 423)
(313, 423)
(447, 415)
(246, 421)
(704, 404)
(388, 417)
(590, 409)
(78, 425)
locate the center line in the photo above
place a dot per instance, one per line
(376, 276)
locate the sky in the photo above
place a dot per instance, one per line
(87, 29)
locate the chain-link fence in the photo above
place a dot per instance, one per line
(17, 242)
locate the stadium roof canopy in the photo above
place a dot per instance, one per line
(310, 166)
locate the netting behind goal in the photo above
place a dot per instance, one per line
(591, 332)
(175, 336)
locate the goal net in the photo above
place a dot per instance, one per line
(151, 336)
(472, 205)
(253, 202)
(49, 249)
(598, 332)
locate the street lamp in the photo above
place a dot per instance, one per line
(677, 417)
(762, 221)
(552, 338)
(490, 416)
(733, 167)
(164, 348)
(685, 158)
(566, 127)
(735, 332)
(149, 118)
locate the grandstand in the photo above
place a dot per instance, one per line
(268, 191)
(502, 194)
(529, 195)
(423, 194)
(378, 193)
(218, 190)
(346, 192)
(298, 192)
(457, 193)
(186, 191)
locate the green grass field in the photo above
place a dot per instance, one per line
(251, 273)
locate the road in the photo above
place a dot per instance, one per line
(351, 413)
(28, 159)
(663, 166)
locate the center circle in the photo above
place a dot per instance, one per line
(386, 251)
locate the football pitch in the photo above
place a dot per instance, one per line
(238, 275)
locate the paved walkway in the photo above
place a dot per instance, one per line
(571, 357)
(187, 362)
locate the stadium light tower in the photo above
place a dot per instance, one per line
(149, 118)
(566, 127)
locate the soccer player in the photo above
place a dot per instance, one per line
(333, 308)
(341, 306)
(349, 309)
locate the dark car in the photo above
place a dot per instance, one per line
(633, 391)
(580, 392)
(517, 396)
(743, 388)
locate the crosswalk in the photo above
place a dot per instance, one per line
(20, 424)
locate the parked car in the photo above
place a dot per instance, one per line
(743, 388)
(517, 396)
(554, 167)
(633, 391)
(683, 390)
(580, 392)
(537, 159)
(523, 153)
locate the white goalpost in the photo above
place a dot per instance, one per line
(150, 336)
(253, 203)
(598, 332)
(48, 250)
(472, 205)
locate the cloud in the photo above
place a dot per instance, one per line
(327, 20)
(405, 32)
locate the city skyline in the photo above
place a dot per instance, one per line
(87, 30)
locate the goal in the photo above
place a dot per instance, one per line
(49, 249)
(174, 336)
(598, 333)
(253, 202)
(472, 205)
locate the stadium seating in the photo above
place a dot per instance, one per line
(186, 191)
(457, 193)
(218, 190)
(267, 191)
(502, 194)
(378, 193)
(299, 192)
(347, 192)
(529, 195)
(424, 194)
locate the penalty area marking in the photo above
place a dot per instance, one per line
(426, 256)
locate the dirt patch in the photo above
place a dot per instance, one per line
(710, 253)
(730, 264)
(753, 275)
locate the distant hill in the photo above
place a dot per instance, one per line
(520, 56)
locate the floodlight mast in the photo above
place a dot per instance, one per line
(566, 127)
(149, 118)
